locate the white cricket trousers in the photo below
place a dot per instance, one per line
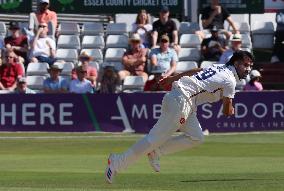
(177, 114)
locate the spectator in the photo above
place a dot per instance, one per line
(134, 60)
(55, 83)
(278, 50)
(10, 71)
(236, 44)
(165, 26)
(164, 58)
(43, 47)
(17, 42)
(22, 87)
(254, 84)
(43, 15)
(154, 85)
(143, 27)
(215, 15)
(110, 82)
(81, 85)
(213, 47)
(92, 73)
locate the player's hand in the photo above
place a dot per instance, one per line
(166, 81)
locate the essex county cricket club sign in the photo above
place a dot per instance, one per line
(114, 6)
(138, 112)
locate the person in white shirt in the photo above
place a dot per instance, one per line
(43, 47)
(143, 27)
(81, 85)
(236, 44)
(189, 89)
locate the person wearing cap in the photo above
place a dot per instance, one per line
(81, 85)
(10, 71)
(22, 87)
(92, 73)
(110, 82)
(165, 26)
(17, 42)
(43, 47)
(236, 44)
(134, 60)
(164, 58)
(55, 83)
(215, 15)
(213, 47)
(43, 15)
(254, 84)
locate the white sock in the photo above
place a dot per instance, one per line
(176, 144)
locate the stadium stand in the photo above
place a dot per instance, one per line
(190, 41)
(189, 54)
(117, 41)
(35, 82)
(3, 29)
(185, 66)
(69, 42)
(188, 28)
(67, 68)
(262, 34)
(116, 29)
(69, 28)
(68, 55)
(93, 42)
(93, 29)
(37, 69)
(133, 84)
(95, 53)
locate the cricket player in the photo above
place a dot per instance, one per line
(189, 89)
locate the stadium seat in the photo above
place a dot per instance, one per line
(68, 41)
(117, 65)
(190, 41)
(117, 41)
(189, 54)
(69, 28)
(262, 34)
(265, 17)
(67, 68)
(116, 29)
(185, 66)
(129, 19)
(96, 54)
(176, 22)
(68, 55)
(3, 30)
(114, 54)
(133, 84)
(93, 42)
(246, 41)
(240, 17)
(93, 29)
(37, 69)
(243, 27)
(35, 82)
(188, 28)
(206, 64)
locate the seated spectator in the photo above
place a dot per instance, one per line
(215, 15)
(110, 82)
(164, 58)
(92, 73)
(43, 15)
(236, 44)
(10, 71)
(22, 87)
(278, 49)
(254, 84)
(17, 42)
(143, 27)
(165, 26)
(55, 83)
(81, 85)
(154, 85)
(213, 47)
(43, 47)
(134, 60)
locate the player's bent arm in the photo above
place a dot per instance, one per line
(170, 79)
(228, 108)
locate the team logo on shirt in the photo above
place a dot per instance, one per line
(182, 120)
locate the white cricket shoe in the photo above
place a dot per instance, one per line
(154, 161)
(110, 170)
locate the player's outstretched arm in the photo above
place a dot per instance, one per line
(228, 108)
(170, 79)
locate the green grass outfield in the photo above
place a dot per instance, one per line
(73, 162)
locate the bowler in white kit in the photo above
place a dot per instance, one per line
(179, 106)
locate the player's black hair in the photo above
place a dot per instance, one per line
(240, 56)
